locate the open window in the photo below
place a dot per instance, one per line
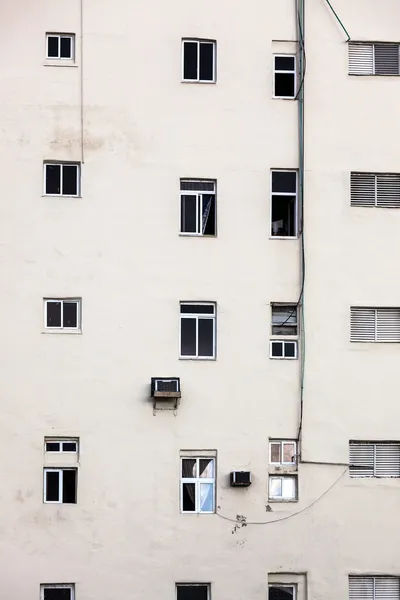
(198, 207)
(284, 204)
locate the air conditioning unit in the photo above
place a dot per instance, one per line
(240, 478)
(165, 387)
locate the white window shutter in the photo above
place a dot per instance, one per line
(362, 324)
(361, 588)
(362, 189)
(361, 59)
(388, 191)
(388, 325)
(387, 588)
(387, 460)
(361, 459)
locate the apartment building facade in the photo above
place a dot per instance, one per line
(202, 199)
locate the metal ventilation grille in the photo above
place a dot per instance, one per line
(386, 59)
(374, 588)
(374, 324)
(165, 385)
(374, 459)
(361, 59)
(374, 189)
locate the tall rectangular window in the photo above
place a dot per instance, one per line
(57, 591)
(284, 325)
(284, 76)
(374, 459)
(60, 46)
(192, 591)
(62, 314)
(62, 179)
(374, 58)
(284, 204)
(368, 587)
(374, 324)
(197, 330)
(198, 60)
(375, 189)
(197, 484)
(60, 485)
(198, 209)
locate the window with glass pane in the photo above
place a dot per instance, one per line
(198, 207)
(284, 204)
(282, 452)
(283, 487)
(284, 76)
(197, 484)
(62, 179)
(57, 445)
(60, 46)
(55, 591)
(62, 314)
(198, 62)
(197, 331)
(284, 319)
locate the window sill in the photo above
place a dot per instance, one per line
(283, 358)
(194, 514)
(198, 81)
(199, 235)
(63, 331)
(283, 500)
(198, 358)
(60, 63)
(59, 196)
(283, 237)
(284, 98)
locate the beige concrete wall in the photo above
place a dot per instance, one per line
(118, 249)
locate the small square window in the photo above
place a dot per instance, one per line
(60, 485)
(283, 487)
(192, 591)
(60, 46)
(57, 591)
(284, 76)
(283, 452)
(62, 179)
(198, 60)
(283, 349)
(62, 314)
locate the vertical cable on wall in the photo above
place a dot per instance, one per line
(81, 83)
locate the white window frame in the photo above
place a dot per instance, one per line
(199, 207)
(61, 442)
(198, 316)
(52, 586)
(283, 342)
(282, 498)
(197, 584)
(197, 481)
(293, 586)
(282, 443)
(76, 329)
(199, 41)
(280, 71)
(62, 165)
(60, 471)
(60, 36)
(296, 207)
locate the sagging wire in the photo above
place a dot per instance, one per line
(244, 522)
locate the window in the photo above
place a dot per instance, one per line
(192, 591)
(374, 588)
(284, 76)
(197, 330)
(57, 591)
(198, 210)
(282, 452)
(374, 324)
(281, 591)
(375, 189)
(374, 459)
(283, 349)
(197, 484)
(284, 204)
(198, 60)
(60, 46)
(60, 486)
(59, 445)
(62, 179)
(373, 59)
(283, 487)
(62, 314)
(284, 323)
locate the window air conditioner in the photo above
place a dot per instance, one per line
(165, 387)
(240, 478)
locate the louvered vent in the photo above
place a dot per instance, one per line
(375, 189)
(374, 588)
(374, 324)
(361, 59)
(374, 459)
(386, 59)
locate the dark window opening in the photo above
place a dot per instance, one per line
(284, 85)
(53, 179)
(276, 349)
(188, 214)
(57, 594)
(52, 46)
(65, 47)
(70, 185)
(192, 592)
(69, 486)
(205, 309)
(284, 182)
(188, 497)
(188, 337)
(208, 217)
(69, 446)
(190, 61)
(206, 337)
(284, 63)
(283, 216)
(280, 592)
(52, 446)
(70, 314)
(206, 61)
(52, 486)
(53, 314)
(290, 349)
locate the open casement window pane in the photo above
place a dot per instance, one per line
(283, 216)
(53, 313)
(374, 588)
(190, 60)
(198, 210)
(386, 59)
(69, 486)
(192, 592)
(284, 319)
(57, 593)
(53, 179)
(206, 61)
(361, 59)
(281, 592)
(208, 214)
